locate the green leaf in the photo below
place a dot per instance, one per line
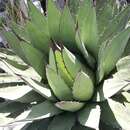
(20, 31)
(41, 111)
(57, 84)
(53, 19)
(39, 88)
(116, 25)
(71, 62)
(108, 57)
(86, 117)
(10, 107)
(52, 60)
(37, 18)
(9, 79)
(81, 46)
(113, 86)
(121, 113)
(37, 125)
(83, 87)
(12, 68)
(107, 116)
(38, 38)
(71, 106)
(73, 6)
(105, 13)
(61, 68)
(36, 59)
(62, 122)
(12, 92)
(14, 43)
(31, 97)
(88, 25)
(123, 63)
(67, 29)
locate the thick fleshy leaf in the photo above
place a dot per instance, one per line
(71, 106)
(74, 6)
(62, 122)
(57, 84)
(20, 31)
(37, 125)
(36, 59)
(121, 113)
(107, 116)
(14, 43)
(80, 44)
(86, 117)
(9, 79)
(9, 107)
(67, 29)
(119, 82)
(42, 89)
(52, 60)
(108, 57)
(12, 92)
(61, 68)
(71, 62)
(42, 110)
(53, 19)
(83, 87)
(123, 63)
(116, 25)
(14, 68)
(31, 97)
(38, 18)
(38, 38)
(113, 86)
(106, 11)
(88, 25)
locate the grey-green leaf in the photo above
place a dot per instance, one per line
(38, 38)
(83, 87)
(70, 106)
(53, 19)
(62, 122)
(88, 25)
(108, 57)
(37, 18)
(67, 29)
(121, 113)
(123, 63)
(86, 117)
(41, 111)
(57, 84)
(36, 59)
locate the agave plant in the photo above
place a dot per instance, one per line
(80, 72)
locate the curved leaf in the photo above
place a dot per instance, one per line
(71, 106)
(57, 84)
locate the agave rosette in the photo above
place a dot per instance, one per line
(76, 53)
